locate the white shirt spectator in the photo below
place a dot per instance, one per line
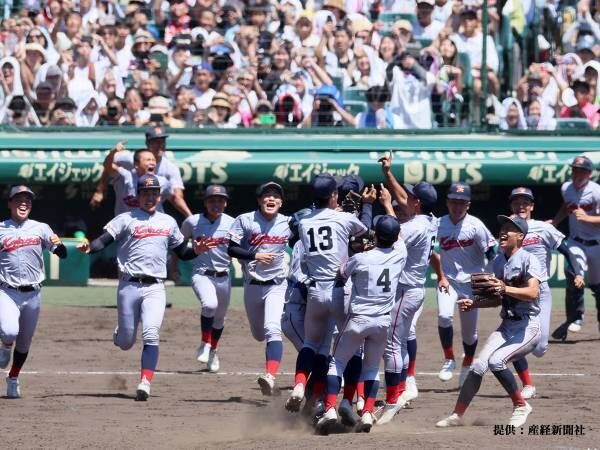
(472, 46)
(411, 99)
(203, 99)
(431, 31)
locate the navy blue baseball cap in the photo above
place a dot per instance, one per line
(323, 185)
(215, 190)
(148, 181)
(156, 133)
(521, 192)
(583, 162)
(517, 221)
(424, 191)
(269, 186)
(20, 189)
(351, 183)
(387, 228)
(459, 191)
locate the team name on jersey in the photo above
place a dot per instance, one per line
(531, 240)
(219, 240)
(144, 231)
(449, 244)
(586, 207)
(12, 244)
(266, 239)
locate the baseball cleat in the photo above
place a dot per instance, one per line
(12, 388)
(267, 384)
(464, 371)
(327, 421)
(365, 423)
(560, 334)
(519, 415)
(213, 362)
(453, 420)
(143, 391)
(317, 410)
(390, 410)
(411, 392)
(203, 352)
(115, 335)
(293, 403)
(5, 351)
(360, 405)
(575, 327)
(347, 413)
(447, 370)
(528, 392)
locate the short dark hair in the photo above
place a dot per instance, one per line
(136, 155)
(341, 28)
(383, 243)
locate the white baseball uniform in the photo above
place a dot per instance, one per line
(124, 183)
(519, 331)
(325, 234)
(144, 240)
(21, 275)
(165, 168)
(462, 251)
(418, 236)
(210, 274)
(264, 284)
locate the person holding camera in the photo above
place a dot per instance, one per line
(379, 114)
(410, 86)
(328, 110)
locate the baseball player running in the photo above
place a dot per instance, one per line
(325, 235)
(541, 239)
(465, 242)
(374, 274)
(21, 275)
(210, 279)
(515, 285)
(156, 142)
(258, 240)
(144, 236)
(581, 203)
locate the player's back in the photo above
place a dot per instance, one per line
(325, 234)
(418, 235)
(541, 238)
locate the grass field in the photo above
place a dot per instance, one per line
(183, 297)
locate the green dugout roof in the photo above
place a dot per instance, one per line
(294, 156)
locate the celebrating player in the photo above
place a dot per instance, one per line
(516, 286)
(21, 274)
(464, 243)
(144, 236)
(418, 231)
(581, 203)
(258, 239)
(210, 279)
(541, 239)
(325, 234)
(374, 275)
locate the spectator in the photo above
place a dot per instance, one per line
(45, 97)
(410, 86)
(338, 60)
(538, 117)
(112, 113)
(203, 93)
(328, 110)
(425, 27)
(511, 115)
(379, 115)
(582, 104)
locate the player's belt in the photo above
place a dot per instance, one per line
(264, 283)
(588, 242)
(25, 288)
(214, 273)
(144, 280)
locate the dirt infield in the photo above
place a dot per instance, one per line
(78, 393)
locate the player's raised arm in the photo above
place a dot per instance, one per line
(396, 189)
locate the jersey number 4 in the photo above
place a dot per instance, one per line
(384, 280)
(323, 235)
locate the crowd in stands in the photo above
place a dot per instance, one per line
(299, 63)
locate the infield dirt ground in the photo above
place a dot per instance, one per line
(78, 391)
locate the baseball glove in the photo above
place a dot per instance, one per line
(351, 203)
(488, 291)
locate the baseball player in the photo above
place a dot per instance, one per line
(156, 142)
(465, 242)
(581, 203)
(374, 274)
(144, 236)
(541, 239)
(21, 275)
(325, 235)
(418, 233)
(517, 283)
(210, 278)
(124, 181)
(258, 239)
